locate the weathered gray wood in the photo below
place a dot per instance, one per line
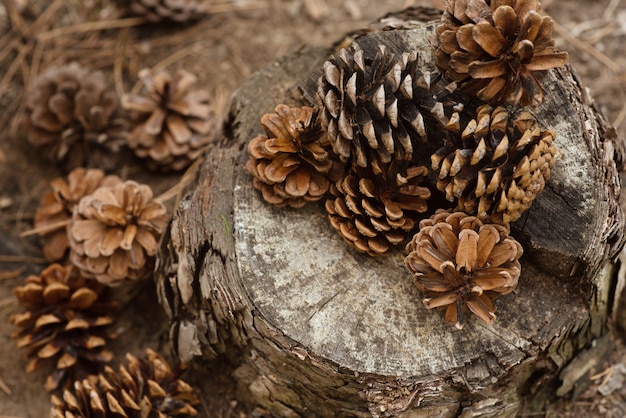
(322, 330)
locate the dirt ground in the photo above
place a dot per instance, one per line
(223, 50)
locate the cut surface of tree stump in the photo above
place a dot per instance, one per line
(323, 330)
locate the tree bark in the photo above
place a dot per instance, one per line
(321, 330)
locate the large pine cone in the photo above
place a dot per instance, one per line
(74, 115)
(173, 122)
(115, 233)
(496, 49)
(169, 10)
(147, 388)
(376, 108)
(292, 163)
(493, 166)
(54, 215)
(459, 262)
(67, 321)
(378, 207)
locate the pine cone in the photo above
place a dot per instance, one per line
(377, 207)
(169, 10)
(292, 163)
(147, 388)
(115, 233)
(493, 167)
(496, 50)
(54, 215)
(67, 320)
(458, 261)
(74, 115)
(173, 123)
(376, 108)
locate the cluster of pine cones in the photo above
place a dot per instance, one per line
(100, 232)
(387, 137)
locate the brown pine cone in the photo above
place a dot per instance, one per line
(459, 262)
(493, 166)
(54, 215)
(74, 116)
(376, 108)
(147, 388)
(378, 207)
(292, 163)
(173, 122)
(497, 49)
(169, 10)
(115, 233)
(67, 322)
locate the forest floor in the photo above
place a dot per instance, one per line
(237, 38)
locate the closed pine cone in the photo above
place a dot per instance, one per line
(171, 10)
(497, 49)
(376, 107)
(292, 163)
(495, 167)
(67, 321)
(461, 263)
(115, 233)
(74, 115)
(145, 388)
(173, 122)
(378, 207)
(54, 215)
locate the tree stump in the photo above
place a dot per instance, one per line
(322, 330)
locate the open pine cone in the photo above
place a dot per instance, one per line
(292, 163)
(54, 215)
(74, 115)
(459, 262)
(493, 166)
(173, 122)
(115, 233)
(378, 108)
(377, 208)
(169, 10)
(67, 322)
(496, 49)
(147, 388)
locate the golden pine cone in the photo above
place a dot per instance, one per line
(378, 207)
(67, 322)
(495, 167)
(54, 215)
(459, 262)
(497, 49)
(147, 388)
(292, 163)
(115, 233)
(376, 108)
(74, 116)
(169, 10)
(173, 123)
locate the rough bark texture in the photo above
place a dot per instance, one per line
(322, 330)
